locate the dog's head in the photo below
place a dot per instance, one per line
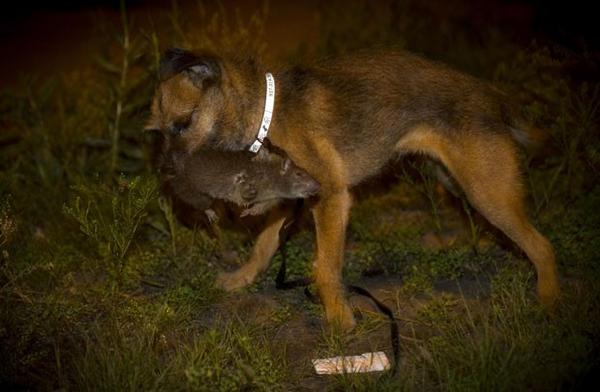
(202, 100)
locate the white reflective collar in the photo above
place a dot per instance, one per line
(263, 131)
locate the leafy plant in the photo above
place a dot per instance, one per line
(111, 218)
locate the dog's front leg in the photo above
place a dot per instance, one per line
(264, 249)
(331, 218)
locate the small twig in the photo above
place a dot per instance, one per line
(116, 126)
(153, 284)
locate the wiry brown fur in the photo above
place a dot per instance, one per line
(342, 120)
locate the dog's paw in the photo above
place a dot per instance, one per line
(231, 281)
(340, 318)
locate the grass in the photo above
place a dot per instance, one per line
(101, 288)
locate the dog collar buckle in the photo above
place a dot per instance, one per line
(263, 131)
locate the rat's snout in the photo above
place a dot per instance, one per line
(308, 185)
(313, 187)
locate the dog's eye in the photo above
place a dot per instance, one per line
(180, 126)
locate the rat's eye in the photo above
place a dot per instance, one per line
(299, 175)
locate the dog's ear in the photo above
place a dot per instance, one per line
(200, 68)
(205, 73)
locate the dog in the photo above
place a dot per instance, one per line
(342, 120)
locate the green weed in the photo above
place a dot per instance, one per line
(111, 219)
(230, 360)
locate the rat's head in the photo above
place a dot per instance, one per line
(279, 178)
(294, 183)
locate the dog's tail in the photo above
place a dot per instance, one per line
(529, 136)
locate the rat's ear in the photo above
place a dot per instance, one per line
(263, 155)
(286, 165)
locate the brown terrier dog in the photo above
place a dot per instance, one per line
(342, 120)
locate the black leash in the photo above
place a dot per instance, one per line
(394, 333)
(284, 234)
(282, 284)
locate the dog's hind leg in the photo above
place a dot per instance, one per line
(262, 253)
(488, 171)
(486, 167)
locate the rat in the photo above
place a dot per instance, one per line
(256, 183)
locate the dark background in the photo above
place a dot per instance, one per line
(45, 36)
